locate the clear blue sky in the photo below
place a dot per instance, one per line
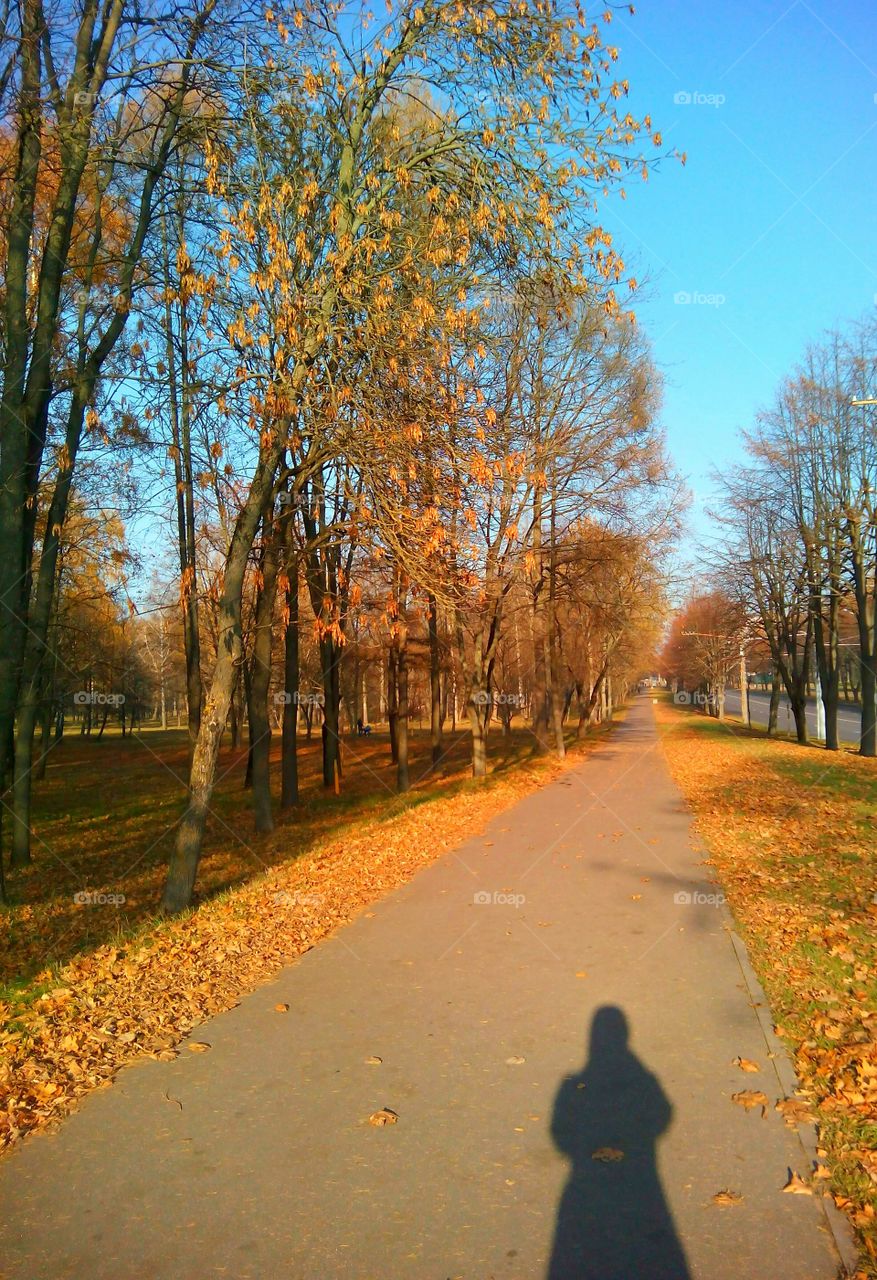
(775, 210)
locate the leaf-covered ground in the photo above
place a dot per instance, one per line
(791, 833)
(91, 986)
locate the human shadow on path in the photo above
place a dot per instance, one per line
(613, 1222)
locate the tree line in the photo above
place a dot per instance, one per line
(315, 307)
(794, 571)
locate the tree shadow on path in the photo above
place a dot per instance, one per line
(613, 1222)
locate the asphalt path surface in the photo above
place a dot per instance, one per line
(552, 1012)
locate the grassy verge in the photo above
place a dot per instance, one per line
(90, 988)
(791, 832)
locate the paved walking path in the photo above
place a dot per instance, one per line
(537, 995)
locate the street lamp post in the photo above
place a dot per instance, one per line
(820, 708)
(744, 688)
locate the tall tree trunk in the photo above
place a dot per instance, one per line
(18, 425)
(435, 685)
(235, 714)
(393, 701)
(554, 701)
(330, 662)
(21, 775)
(260, 680)
(541, 656)
(186, 855)
(179, 400)
(478, 717)
(289, 732)
(40, 617)
(402, 781)
(776, 688)
(799, 712)
(46, 718)
(247, 677)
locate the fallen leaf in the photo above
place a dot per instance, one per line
(382, 1117)
(281, 1008)
(197, 1046)
(514, 1062)
(608, 1155)
(750, 1098)
(796, 1186)
(726, 1197)
(745, 1064)
(373, 1061)
(794, 1111)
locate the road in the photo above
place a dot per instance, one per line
(552, 1011)
(849, 718)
